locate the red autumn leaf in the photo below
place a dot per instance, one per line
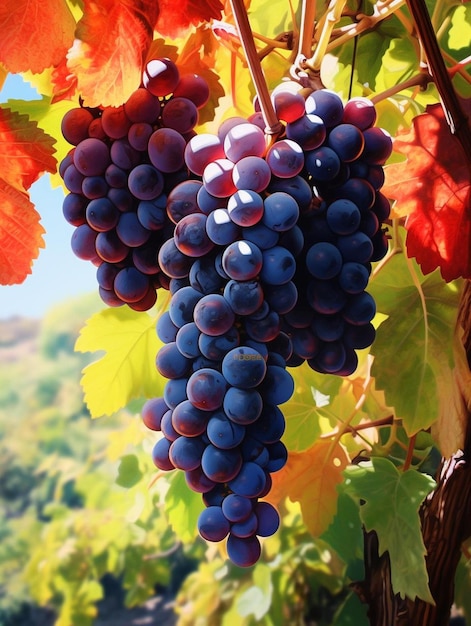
(432, 189)
(64, 83)
(112, 39)
(25, 153)
(36, 34)
(176, 17)
(311, 478)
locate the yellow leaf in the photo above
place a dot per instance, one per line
(127, 370)
(311, 478)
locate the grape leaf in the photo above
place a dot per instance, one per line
(36, 34)
(311, 478)
(183, 507)
(25, 153)
(175, 18)
(413, 347)
(391, 504)
(432, 189)
(127, 370)
(111, 42)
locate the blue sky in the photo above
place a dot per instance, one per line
(57, 274)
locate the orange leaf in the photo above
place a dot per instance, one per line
(36, 34)
(433, 191)
(64, 83)
(20, 235)
(112, 40)
(25, 153)
(176, 17)
(311, 478)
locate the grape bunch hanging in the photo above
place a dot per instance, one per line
(266, 247)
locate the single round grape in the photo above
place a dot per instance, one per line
(359, 111)
(213, 315)
(74, 125)
(281, 298)
(221, 466)
(288, 105)
(285, 158)
(244, 140)
(217, 178)
(166, 150)
(245, 207)
(152, 413)
(206, 388)
(251, 172)
(172, 261)
(277, 386)
(268, 519)
(323, 164)
(94, 187)
(242, 406)
(130, 230)
(83, 242)
(262, 236)
(185, 452)
(308, 131)
(224, 433)
(278, 266)
(242, 260)
(124, 155)
(212, 524)
(249, 481)
(278, 455)
(221, 229)
(73, 209)
(327, 105)
(171, 363)
(305, 342)
(353, 277)
(328, 327)
(139, 134)
(360, 309)
(243, 552)
(326, 296)
(142, 106)
(73, 179)
(347, 141)
(193, 87)
(182, 305)
(356, 247)
(187, 340)
(115, 122)
(281, 211)
(343, 217)
(244, 367)
(160, 77)
(198, 481)
(245, 529)
(378, 146)
(236, 508)
(191, 237)
(202, 150)
(180, 114)
(110, 248)
(130, 284)
(264, 328)
(92, 157)
(166, 329)
(183, 200)
(160, 456)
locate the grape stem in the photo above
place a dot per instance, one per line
(457, 120)
(272, 124)
(332, 16)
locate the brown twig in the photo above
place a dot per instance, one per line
(273, 125)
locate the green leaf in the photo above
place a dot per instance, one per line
(413, 347)
(392, 500)
(183, 507)
(312, 397)
(345, 536)
(257, 599)
(129, 473)
(127, 370)
(352, 613)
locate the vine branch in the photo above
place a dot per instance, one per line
(457, 120)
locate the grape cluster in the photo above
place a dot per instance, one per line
(343, 156)
(124, 163)
(266, 246)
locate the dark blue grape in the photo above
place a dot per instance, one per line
(221, 466)
(212, 524)
(243, 367)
